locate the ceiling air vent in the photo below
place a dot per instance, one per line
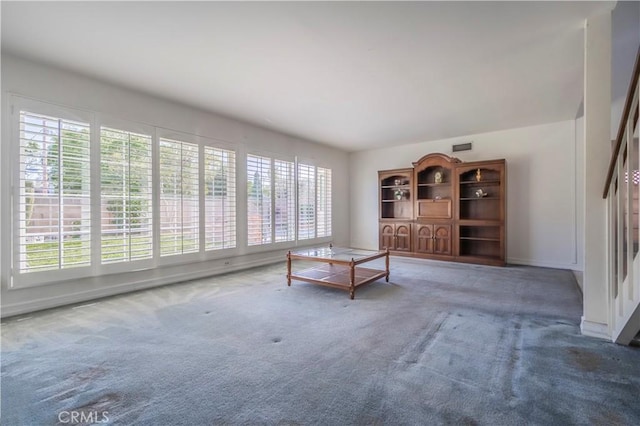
(461, 147)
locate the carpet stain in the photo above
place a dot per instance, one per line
(88, 375)
(587, 361)
(371, 421)
(276, 339)
(466, 420)
(607, 418)
(412, 355)
(74, 383)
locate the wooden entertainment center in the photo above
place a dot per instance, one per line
(445, 209)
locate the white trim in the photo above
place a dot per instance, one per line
(49, 108)
(578, 275)
(595, 329)
(117, 123)
(163, 132)
(270, 154)
(541, 263)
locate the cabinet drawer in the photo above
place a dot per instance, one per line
(435, 209)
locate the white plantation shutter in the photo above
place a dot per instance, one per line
(220, 198)
(179, 198)
(285, 201)
(323, 203)
(258, 200)
(306, 202)
(74, 198)
(126, 196)
(53, 206)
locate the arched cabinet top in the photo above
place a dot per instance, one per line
(436, 157)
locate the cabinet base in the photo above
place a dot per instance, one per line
(478, 260)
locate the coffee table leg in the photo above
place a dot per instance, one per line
(386, 262)
(352, 279)
(289, 268)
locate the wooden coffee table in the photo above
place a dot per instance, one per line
(338, 267)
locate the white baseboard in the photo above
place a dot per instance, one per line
(579, 279)
(540, 263)
(595, 329)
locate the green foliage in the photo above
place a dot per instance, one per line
(45, 254)
(125, 173)
(67, 161)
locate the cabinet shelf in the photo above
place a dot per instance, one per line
(483, 258)
(435, 184)
(478, 198)
(479, 222)
(395, 186)
(395, 192)
(482, 182)
(497, 240)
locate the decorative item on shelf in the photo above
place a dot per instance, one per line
(480, 193)
(397, 182)
(400, 194)
(438, 177)
(478, 175)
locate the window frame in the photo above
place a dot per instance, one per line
(181, 147)
(273, 245)
(269, 159)
(111, 122)
(294, 194)
(17, 278)
(215, 144)
(202, 254)
(327, 192)
(314, 197)
(312, 162)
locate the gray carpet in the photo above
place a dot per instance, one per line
(442, 343)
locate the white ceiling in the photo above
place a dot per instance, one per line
(349, 74)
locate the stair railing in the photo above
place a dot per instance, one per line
(622, 192)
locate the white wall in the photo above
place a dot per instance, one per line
(64, 88)
(541, 189)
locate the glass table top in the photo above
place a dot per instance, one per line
(336, 253)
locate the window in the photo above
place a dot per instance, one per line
(220, 198)
(130, 200)
(179, 198)
(324, 203)
(306, 202)
(54, 206)
(271, 214)
(258, 200)
(125, 196)
(285, 201)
